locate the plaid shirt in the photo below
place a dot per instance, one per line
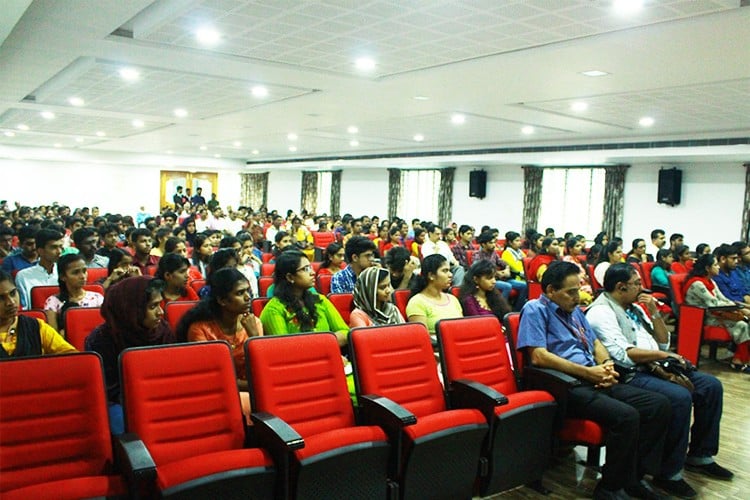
(459, 252)
(343, 281)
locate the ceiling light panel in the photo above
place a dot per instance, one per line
(35, 139)
(326, 35)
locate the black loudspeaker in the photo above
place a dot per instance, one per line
(670, 186)
(478, 183)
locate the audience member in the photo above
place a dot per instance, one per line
(429, 303)
(120, 267)
(197, 200)
(71, 272)
(333, 257)
(87, 243)
(360, 254)
(27, 255)
(6, 242)
(743, 262)
(513, 255)
(463, 245)
(176, 246)
(173, 271)
(402, 267)
(142, 258)
(575, 251)
(702, 248)
(478, 294)
(683, 260)
(202, 252)
(728, 279)
(662, 269)
(675, 240)
(434, 245)
(638, 253)
(372, 300)
(547, 253)
(658, 240)
(505, 283)
(416, 245)
(611, 254)
(49, 243)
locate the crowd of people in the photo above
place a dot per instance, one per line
(146, 262)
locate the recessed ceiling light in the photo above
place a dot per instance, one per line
(203, 148)
(365, 64)
(458, 119)
(23, 127)
(354, 143)
(418, 137)
(101, 134)
(627, 7)
(79, 139)
(76, 101)
(579, 106)
(208, 36)
(255, 151)
(129, 74)
(594, 72)
(48, 115)
(291, 136)
(292, 148)
(421, 98)
(259, 91)
(8, 133)
(217, 155)
(169, 152)
(57, 145)
(138, 123)
(528, 129)
(237, 144)
(352, 129)
(180, 113)
(646, 121)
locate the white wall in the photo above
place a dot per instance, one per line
(365, 192)
(503, 206)
(284, 190)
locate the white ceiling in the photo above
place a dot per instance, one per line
(504, 65)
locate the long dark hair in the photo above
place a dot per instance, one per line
(221, 283)
(481, 268)
(198, 242)
(331, 249)
(604, 255)
(430, 264)
(115, 256)
(664, 252)
(170, 263)
(700, 268)
(63, 263)
(305, 311)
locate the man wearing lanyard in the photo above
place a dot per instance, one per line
(556, 335)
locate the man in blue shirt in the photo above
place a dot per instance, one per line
(360, 253)
(26, 256)
(743, 262)
(556, 335)
(729, 280)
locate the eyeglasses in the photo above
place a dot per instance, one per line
(307, 268)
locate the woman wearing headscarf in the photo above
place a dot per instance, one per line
(372, 299)
(133, 317)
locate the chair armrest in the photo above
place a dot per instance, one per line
(381, 411)
(275, 434)
(555, 382)
(137, 465)
(470, 394)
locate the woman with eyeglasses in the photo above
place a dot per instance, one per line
(638, 253)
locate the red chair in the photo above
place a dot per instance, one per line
(95, 274)
(474, 349)
(344, 304)
(34, 313)
(691, 332)
(323, 283)
(534, 287)
(264, 283)
(400, 299)
(39, 294)
(321, 240)
(440, 453)
(79, 323)
(572, 430)
(197, 285)
(181, 402)
(174, 311)
(598, 287)
(266, 257)
(456, 291)
(151, 270)
(267, 269)
(316, 266)
(258, 304)
(54, 431)
(300, 379)
(646, 268)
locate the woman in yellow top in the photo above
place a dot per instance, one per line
(302, 238)
(513, 255)
(21, 335)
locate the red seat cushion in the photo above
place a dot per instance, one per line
(339, 438)
(523, 398)
(577, 430)
(443, 420)
(716, 333)
(181, 471)
(70, 489)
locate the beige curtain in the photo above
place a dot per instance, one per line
(745, 235)
(335, 193)
(309, 192)
(394, 192)
(254, 190)
(614, 189)
(445, 202)
(532, 196)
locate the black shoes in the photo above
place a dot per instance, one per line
(601, 493)
(643, 490)
(712, 470)
(678, 488)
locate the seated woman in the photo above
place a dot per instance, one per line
(190, 231)
(547, 254)
(223, 258)
(120, 267)
(534, 247)
(478, 295)
(372, 299)
(173, 271)
(611, 254)
(429, 303)
(282, 240)
(701, 290)
(295, 306)
(133, 317)
(334, 256)
(394, 240)
(71, 276)
(202, 252)
(302, 238)
(662, 269)
(21, 335)
(180, 233)
(225, 314)
(592, 256)
(160, 239)
(416, 245)
(175, 245)
(601, 239)
(683, 260)
(638, 253)
(574, 249)
(702, 248)
(247, 263)
(513, 255)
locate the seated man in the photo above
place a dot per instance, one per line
(463, 245)
(743, 261)
(505, 282)
(49, 247)
(434, 244)
(360, 254)
(142, 257)
(87, 242)
(556, 335)
(729, 280)
(401, 265)
(27, 255)
(632, 338)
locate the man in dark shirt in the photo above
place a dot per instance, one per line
(729, 280)
(142, 257)
(26, 256)
(198, 199)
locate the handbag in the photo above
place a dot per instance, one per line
(673, 370)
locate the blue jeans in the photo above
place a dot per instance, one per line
(116, 419)
(707, 401)
(506, 286)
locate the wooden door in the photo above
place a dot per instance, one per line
(170, 179)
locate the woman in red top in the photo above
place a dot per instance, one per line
(548, 253)
(683, 261)
(173, 271)
(332, 260)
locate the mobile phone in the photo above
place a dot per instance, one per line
(647, 290)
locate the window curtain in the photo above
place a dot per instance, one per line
(445, 202)
(309, 192)
(254, 190)
(532, 196)
(614, 199)
(745, 236)
(394, 192)
(335, 192)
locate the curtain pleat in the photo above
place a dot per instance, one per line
(745, 235)
(254, 190)
(335, 193)
(309, 192)
(445, 201)
(614, 199)
(532, 196)
(394, 192)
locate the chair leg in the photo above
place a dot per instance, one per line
(539, 487)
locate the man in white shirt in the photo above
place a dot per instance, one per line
(49, 244)
(435, 245)
(658, 240)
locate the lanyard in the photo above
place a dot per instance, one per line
(577, 329)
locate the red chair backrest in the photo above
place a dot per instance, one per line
(526, 261)
(323, 282)
(456, 291)
(151, 270)
(95, 274)
(400, 299)
(182, 399)
(174, 311)
(469, 257)
(34, 313)
(197, 285)
(264, 283)
(344, 304)
(676, 282)
(512, 320)
(79, 323)
(474, 348)
(54, 424)
(258, 304)
(647, 267)
(267, 269)
(316, 266)
(592, 277)
(266, 257)
(300, 378)
(323, 239)
(397, 361)
(39, 294)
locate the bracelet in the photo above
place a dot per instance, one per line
(657, 315)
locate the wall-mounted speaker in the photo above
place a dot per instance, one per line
(478, 183)
(670, 186)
